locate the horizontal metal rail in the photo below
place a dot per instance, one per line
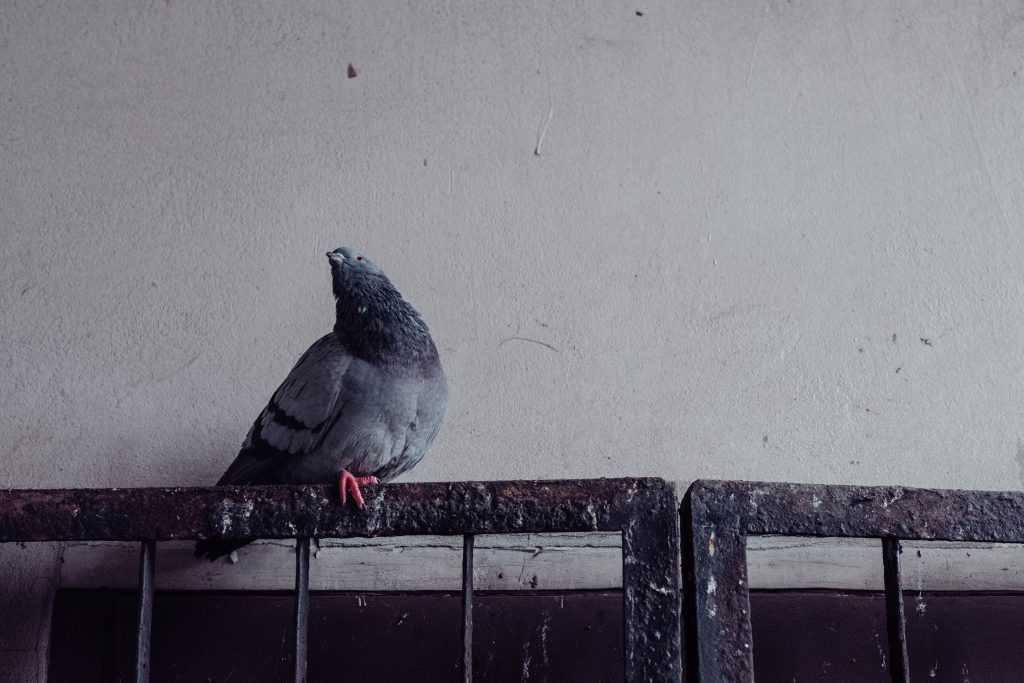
(645, 511)
(717, 517)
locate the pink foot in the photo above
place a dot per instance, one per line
(347, 483)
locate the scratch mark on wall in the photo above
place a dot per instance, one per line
(544, 131)
(527, 339)
(757, 44)
(872, 99)
(982, 159)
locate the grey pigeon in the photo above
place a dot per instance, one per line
(362, 404)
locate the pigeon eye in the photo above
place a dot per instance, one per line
(360, 258)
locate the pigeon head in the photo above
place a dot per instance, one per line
(352, 272)
(372, 317)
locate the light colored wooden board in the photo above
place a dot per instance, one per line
(541, 561)
(777, 562)
(513, 562)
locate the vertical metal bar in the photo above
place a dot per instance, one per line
(301, 607)
(650, 585)
(719, 638)
(467, 608)
(147, 562)
(895, 616)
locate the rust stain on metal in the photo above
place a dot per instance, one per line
(297, 511)
(645, 511)
(718, 516)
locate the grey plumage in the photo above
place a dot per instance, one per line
(368, 397)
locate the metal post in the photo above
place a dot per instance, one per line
(650, 586)
(895, 617)
(301, 607)
(719, 636)
(467, 608)
(147, 561)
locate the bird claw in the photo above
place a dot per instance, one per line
(348, 483)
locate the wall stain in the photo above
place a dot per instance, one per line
(1020, 460)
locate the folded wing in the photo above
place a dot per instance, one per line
(297, 416)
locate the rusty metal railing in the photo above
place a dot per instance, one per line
(644, 511)
(717, 517)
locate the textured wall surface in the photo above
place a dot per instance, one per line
(773, 240)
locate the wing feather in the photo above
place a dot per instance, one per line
(296, 418)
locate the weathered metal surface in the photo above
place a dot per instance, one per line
(871, 511)
(719, 644)
(895, 616)
(650, 582)
(144, 615)
(301, 609)
(644, 510)
(314, 511)
(718, 515)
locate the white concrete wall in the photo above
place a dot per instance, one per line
(771, 240)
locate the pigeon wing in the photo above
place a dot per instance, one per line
(297, 416)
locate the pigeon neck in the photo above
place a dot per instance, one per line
(383, 332)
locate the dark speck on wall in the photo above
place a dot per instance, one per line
(352, 71)
(639, 13)
(927, 342)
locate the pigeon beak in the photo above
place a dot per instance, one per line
(334, 256)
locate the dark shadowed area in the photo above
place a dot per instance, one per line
(369, 637)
